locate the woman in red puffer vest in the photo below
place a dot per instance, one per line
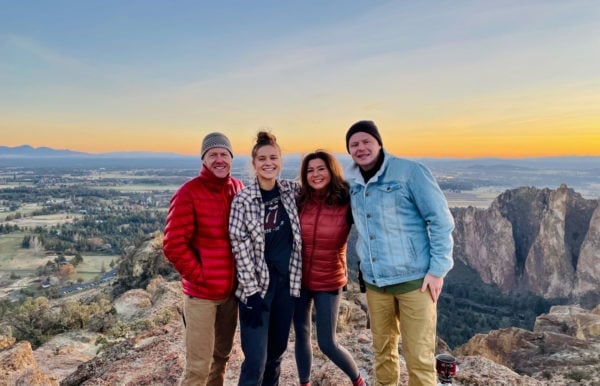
(325, 231)
(325, 220)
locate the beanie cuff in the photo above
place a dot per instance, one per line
(213, 140)
(368, 127)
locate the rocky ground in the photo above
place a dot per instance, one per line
(563, 349)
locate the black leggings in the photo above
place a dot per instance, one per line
(326, 305)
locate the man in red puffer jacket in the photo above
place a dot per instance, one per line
(196, 242)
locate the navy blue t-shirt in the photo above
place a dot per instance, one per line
(278, 232)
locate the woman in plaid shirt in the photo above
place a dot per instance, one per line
(265, 237)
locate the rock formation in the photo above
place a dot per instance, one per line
(18, 365)
(588, 267)
(564, 346)
(141, 264)
(484, 241)
(544, 241)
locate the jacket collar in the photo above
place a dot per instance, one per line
(354, 175)
(211, 180)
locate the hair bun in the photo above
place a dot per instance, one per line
(265, 138)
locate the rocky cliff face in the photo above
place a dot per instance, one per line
(483, 240)
(141, 264)
(18, 365)
(588, 265)
(564, 344)
(545, 241)
(149, 349)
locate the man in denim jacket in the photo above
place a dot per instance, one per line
(405, 250)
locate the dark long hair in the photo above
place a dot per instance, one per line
(337, 191)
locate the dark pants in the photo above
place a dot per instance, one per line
(327, 306)
(264, 346)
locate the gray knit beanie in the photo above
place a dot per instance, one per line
(216, 140)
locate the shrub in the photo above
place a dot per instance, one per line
(143, 325)
(578, 375)
(119, 330)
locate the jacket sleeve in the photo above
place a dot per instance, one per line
(242, 245)
(433, 207)
(179, 230)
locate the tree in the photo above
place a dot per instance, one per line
(26, 242)
(66, 272)
(5, 307)
(31, 320)
(77, 259)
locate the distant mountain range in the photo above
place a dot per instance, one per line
(28, 156)
(29, 151)
(44, 157)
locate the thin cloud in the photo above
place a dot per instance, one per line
(43, 53)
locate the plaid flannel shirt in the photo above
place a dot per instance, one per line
(247, 234)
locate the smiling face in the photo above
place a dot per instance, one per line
(318, 175)
(218, 160)
(267, 164)
(364, 149)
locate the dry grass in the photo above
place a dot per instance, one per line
(45, 220)
(13, 257)
(25, 262)
(93, 263)
(25, 210)
(132, 188)
(478, 198)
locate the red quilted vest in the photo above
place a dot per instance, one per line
(324, 237)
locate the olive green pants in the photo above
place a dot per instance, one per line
(413, 316)
(209, 329)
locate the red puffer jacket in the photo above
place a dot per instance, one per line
(325, 232)
(196, 237)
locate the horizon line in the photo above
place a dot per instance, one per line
(86, 153)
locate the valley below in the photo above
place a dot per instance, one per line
(87, 298)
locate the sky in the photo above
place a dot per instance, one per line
(460, 79)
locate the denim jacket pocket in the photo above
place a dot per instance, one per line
(392, 193)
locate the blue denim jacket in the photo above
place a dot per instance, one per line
(403, 222)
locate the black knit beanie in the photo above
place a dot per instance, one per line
(366, 127)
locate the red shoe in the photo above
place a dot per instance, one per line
(359, 382)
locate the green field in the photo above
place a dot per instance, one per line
(25, 210)
(132, 188)
(478, 198)
(91, 267)
(15, 258)
(45, 220)
(25, 262)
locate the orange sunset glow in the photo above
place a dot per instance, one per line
(460, 79)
